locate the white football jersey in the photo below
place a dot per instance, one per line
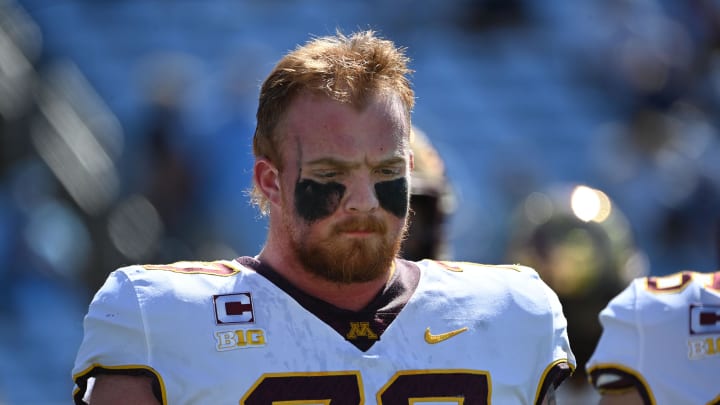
(224, 333)
(662, 336)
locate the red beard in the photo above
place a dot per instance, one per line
(347, 260)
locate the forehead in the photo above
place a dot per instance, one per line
(316, 126)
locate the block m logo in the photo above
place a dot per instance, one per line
(358, 329)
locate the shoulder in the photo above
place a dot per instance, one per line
(214, 268)
(649, 299)
(476, 270)
(510, 302)
(181, 270)
(129, 291)
(506, 275)
(511, 283)
(186, 278)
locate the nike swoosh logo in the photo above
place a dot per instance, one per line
(433, 339)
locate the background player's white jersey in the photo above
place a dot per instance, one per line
(662, 335)
(223, 333)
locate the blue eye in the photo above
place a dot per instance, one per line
(389, 171)
(327, 174)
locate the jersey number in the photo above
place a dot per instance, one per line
(345, 388)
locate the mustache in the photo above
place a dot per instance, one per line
(367, 224)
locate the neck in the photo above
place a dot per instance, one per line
(353, 297)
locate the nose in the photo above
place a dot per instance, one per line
(360, 195)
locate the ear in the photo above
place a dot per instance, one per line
(267, 179)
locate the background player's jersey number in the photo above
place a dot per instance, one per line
(346, 388)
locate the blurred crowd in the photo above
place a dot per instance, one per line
(580, 138)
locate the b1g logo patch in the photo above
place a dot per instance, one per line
(704, 319)
(233, 308)
(239, 339)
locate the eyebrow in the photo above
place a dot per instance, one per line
(328, 161)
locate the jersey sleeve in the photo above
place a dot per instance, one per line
(535, 297)
(562, 363)
(561, 352)
(525, 313)
(114, 338)
(620, 332)
(615, 364)
(561, 342)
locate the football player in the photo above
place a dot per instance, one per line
(431, 202)
(661, 342)
(582, 246)
(326, 312)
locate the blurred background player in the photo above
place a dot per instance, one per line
(661, 342)
(431, 203)
(581, 245)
